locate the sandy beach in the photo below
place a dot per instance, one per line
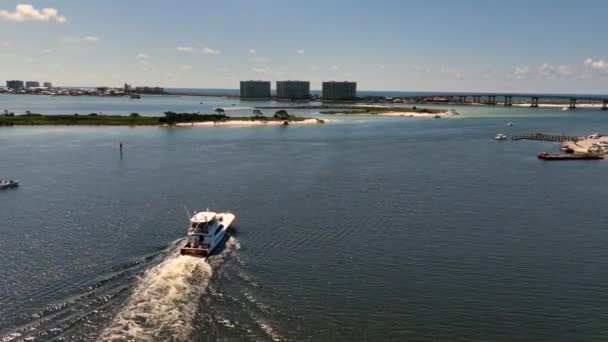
(414, 114)
(587, 145)
(251, 123)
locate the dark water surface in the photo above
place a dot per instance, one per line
(369, 228)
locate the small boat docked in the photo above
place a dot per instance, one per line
(206, 232)
(452, 112)
(6, 184)
(135, 96)
(500, 136)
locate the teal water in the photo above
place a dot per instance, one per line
(366, 228)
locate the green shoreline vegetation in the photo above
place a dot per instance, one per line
(349, 109)
(134, 119)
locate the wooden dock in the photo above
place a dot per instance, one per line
(545, 137)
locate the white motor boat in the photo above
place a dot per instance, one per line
(6, 184)
(500, 136)
(206, 232)
(452, 112)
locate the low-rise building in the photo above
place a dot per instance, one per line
(150, 90)
(333, 90)
(48, 85)
(14, 84)
(293, 90)
(255, 89)
(32, 84)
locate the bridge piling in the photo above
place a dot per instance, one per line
(508, 101)
(572, 103)
(534, 102)
(605, 105)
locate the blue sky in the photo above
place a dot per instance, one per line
(432, 45)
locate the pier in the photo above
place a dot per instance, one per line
(545, 137)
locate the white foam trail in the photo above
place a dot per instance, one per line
(166, 300)
(164, 304)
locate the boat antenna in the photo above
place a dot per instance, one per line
(187, 212)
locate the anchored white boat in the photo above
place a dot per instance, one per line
(500, 136)
(206, 232)
(5, 184)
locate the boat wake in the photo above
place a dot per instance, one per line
(78, 316)
(165, 302)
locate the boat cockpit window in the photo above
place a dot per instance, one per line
(203, 227)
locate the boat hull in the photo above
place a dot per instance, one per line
(14, 184)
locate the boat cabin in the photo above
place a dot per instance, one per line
(205, 223)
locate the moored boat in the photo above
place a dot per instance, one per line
(6, 184)
(206, 232)
(500, 136)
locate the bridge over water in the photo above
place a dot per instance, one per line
(491, 99)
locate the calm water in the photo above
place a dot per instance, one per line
(368, 228)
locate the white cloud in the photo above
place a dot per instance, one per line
(5, 44)
(521, 72)
(261, 70)
(185, 67)
(27, 12)
(300, 52)
(189, 49)
(143, 55)
(598, 65)
(210, 51)
(79, 40)
(47, 51)
(252, 51)
(381, 66)
(547, 70)
(204, 50)
(335, 67)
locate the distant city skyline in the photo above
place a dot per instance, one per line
(437, 45)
